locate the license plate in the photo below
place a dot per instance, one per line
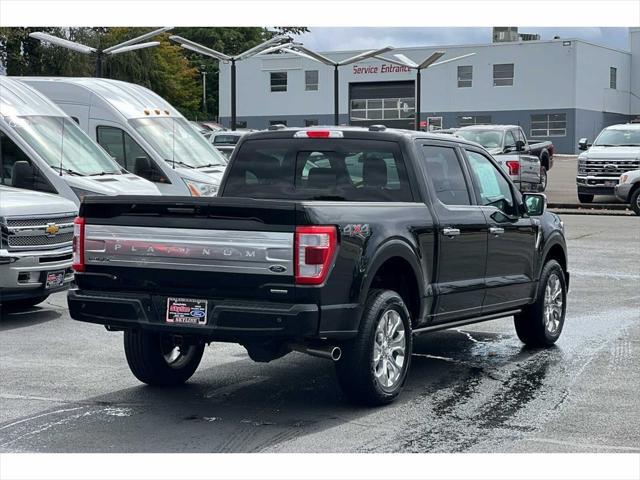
(54, 279)
(610, 183)
(189, 311)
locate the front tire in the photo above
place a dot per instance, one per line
(540, 324)
(155, 360)
(374, 365)
(635, 201)
(585, 198)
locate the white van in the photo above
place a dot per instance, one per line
(42, 149)
(144, 133)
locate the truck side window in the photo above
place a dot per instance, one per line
(509, 140)
(493, 186)
(445, 174)
(10, 153)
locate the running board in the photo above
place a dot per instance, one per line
(468, 321)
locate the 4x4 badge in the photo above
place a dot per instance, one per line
(361, 230)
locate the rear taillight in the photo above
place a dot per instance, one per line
(78, 244)
(315, 247)
(513, 166)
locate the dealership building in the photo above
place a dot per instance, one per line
(561, 90)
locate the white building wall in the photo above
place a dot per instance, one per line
(634, 47)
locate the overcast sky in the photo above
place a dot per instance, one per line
(332, 38)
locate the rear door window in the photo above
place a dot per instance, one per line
(445, 175)
(351, 170)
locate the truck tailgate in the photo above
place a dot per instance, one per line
(213, 247)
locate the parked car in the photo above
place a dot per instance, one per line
(628, 189)
(615, 151)
(505, 143)
(36, 230)
(212, 126)
(141, 130)
(43, 149)
(448, 131)
(226, 140)
(338, 242)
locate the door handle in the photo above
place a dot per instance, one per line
(496, 230)
(451, 232)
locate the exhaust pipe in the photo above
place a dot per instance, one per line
(328, 352)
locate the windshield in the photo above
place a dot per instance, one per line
(486, 138)
(175, 139)
(614, 137)
(61, 143)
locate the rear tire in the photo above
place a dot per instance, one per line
(544, 178)
(540, 324)
(374, 365)
(635, 201)
(585, 198)
(155, 360)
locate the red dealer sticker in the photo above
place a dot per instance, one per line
(188, 311)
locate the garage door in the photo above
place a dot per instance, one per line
(387, 103)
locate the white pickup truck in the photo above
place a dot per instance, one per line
(36, 232)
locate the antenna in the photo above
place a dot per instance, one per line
(61, 147)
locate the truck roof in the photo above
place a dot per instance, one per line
(624, 126)
(377, 132)
(16, 98)
(129, 99)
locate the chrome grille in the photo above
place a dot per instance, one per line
(610, 168)
(40, 240)
(35, 221)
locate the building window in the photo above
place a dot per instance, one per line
(382, 108)
(465, 76)
(277, 122)
(503, 75)
(278, 81)
(311, 122)
(311, 80)
(549, 125)
(613, 78)
(466, 120)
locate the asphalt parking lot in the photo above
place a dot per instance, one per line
(65, 386)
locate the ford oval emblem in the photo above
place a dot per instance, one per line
(278, 268)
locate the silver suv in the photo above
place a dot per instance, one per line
(36, 232)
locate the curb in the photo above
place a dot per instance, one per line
(589, 206)
(602, 213)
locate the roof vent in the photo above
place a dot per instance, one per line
(377, 128)
(277, 126)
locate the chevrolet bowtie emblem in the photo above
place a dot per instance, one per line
(52, 229)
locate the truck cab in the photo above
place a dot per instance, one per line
(143, 132)
(615, 151)
(43, 149)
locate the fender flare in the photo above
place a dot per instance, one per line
(393, 248)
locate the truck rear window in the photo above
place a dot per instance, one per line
(319, 169)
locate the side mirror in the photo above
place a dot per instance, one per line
(520, 146)
(583, 144)
(534, 203)
(142, 167)
(23, 175)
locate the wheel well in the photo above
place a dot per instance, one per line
(634, 189)
(557, 253)
(396, 274)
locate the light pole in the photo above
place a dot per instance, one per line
(100, 53)
(430, 61)
(304, 52)
(203, 71)
(208, 52)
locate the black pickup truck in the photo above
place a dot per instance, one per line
(338, 242)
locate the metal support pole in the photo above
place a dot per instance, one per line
(204, 92)
(336, 94)
(233, 94)
(99, 64)
(418, 82)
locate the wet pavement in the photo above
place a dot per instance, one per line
(65, 386)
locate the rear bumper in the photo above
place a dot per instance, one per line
(227, 320)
